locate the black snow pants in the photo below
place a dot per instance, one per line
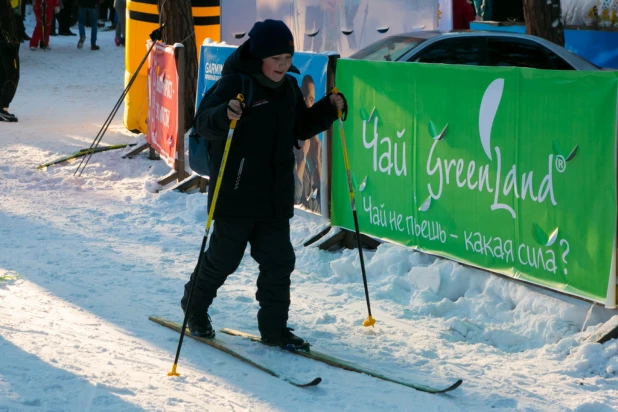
(9, 74)
(271, 248)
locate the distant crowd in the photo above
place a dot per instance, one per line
(61, 15)
(53, 18)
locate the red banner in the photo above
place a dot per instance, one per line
(163, 102)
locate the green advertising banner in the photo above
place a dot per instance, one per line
(508, 169)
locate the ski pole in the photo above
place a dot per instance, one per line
(370, 321)
(211, 214)
(154, 36)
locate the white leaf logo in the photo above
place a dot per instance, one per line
(425, 206)
(363, 185)
(552, 238)
(487, 114)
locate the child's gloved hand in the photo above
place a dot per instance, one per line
(337, 101)
(234, 109)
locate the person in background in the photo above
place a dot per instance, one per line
(53, 31)
(20, 21)
(64, 19)
(120, 6)
(87, 12)
(256, 197)
(9, 57)
(463, 14)
(42, 30)
(107, 13)
(19, 13)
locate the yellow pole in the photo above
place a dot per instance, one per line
(211, 214)
(370, 321)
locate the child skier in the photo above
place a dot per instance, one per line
(256, 198)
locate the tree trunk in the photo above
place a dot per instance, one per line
(544, 19)
(178, 18)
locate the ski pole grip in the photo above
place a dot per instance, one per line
(241, 99)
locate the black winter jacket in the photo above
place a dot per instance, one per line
(258, 180)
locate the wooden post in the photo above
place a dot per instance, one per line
(152, 153)
(330, 83)
(607, 331)
(179, 50)
(136, 151)
(347, 239)
(192, 182)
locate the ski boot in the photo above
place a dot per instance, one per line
(287, 340)
(200, 325)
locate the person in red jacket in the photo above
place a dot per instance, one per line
(40, 36)
(463, 14)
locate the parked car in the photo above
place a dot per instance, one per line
(474, 48)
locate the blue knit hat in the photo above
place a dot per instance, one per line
(270, 38)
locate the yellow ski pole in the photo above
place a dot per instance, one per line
(211, 214)
(370, 321)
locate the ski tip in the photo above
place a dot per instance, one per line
(314, 382)
(436, 390)
(454, 386)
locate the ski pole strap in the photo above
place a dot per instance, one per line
(342, 114)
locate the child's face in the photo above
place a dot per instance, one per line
(275, 67)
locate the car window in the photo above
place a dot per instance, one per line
(523, 53)
(465, 50)
(389, 49)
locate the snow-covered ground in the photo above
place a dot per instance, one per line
(85, 260)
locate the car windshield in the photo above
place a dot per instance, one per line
(389, 49)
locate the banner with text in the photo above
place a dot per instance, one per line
(310, 176)
(163, 102)
(508, 169)
(212, 59)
